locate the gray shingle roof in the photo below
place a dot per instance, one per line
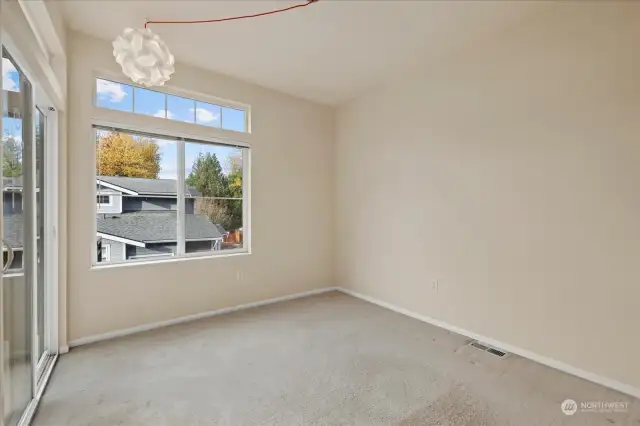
(148, 186)
(221, 229)
(13, 230)
(156, 226)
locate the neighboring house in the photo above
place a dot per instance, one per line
(137, 218)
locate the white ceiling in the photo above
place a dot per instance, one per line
(329, 52)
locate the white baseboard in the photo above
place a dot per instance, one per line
(160, 324)
(558, 365)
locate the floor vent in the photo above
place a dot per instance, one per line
(497, 352)
(478, 345)
(489, 349)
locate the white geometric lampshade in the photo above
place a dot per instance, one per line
(144, 57)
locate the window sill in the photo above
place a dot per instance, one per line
(194, 256)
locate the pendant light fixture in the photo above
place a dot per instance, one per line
(146, 59)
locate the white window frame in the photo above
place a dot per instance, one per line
(109, 197)
(192, 133)
(106, 253)
(179, 92)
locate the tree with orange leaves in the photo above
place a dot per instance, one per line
(120, 154)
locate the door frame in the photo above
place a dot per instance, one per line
(51, 240)
(51, 224)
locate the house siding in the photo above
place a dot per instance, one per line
(116, 200)
(117, 249)
(137, 204)
(164, 248)
(198, 246)
(12, 203)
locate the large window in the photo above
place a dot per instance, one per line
(124, 97)
(159, 197)
(166, 193)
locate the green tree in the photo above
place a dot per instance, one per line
(235, 177)
(120, 154)
(11, 157)
(235, 190)
(206, 176)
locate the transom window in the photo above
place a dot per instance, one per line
(128, 98)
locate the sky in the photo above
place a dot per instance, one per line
(121, 97)
(11, 82)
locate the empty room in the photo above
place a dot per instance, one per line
(320, 212)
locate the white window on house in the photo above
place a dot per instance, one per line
(178, 195)
(104, 200)
(106, 253)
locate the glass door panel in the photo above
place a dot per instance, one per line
(17, 140)
(40, 121)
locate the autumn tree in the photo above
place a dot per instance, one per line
(120, 154)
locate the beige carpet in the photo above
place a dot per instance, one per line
(324, 360)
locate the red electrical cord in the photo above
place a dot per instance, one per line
(271, 12)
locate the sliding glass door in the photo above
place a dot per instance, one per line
(17, 192)
(28, 350)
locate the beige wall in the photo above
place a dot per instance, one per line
(510, 175)
(292, 207)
